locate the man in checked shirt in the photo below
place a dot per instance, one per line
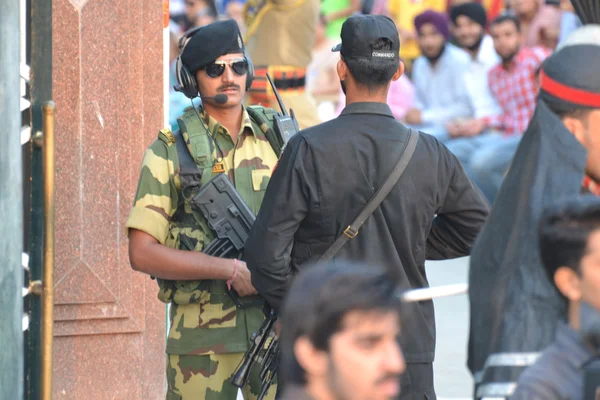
(490, 142)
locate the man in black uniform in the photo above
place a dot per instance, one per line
(514, 307)
(328, 173)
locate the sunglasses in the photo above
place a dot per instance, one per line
(239, 66)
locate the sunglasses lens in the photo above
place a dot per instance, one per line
(240, 67)
(215, 70)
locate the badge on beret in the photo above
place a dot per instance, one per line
(240, 43)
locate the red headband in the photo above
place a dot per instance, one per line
(567, 93)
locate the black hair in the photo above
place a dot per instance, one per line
(319, 299)
(504, 18)
(564, 231)
(373, 73)
(565, 109)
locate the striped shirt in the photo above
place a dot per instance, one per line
(558, 373)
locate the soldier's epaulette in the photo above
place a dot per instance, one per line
(166, 136)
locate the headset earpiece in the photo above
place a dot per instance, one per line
(250, 73)
(186, 82)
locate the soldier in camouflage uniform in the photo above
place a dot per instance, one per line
(208, 334)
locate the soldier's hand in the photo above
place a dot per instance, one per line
(241, 283)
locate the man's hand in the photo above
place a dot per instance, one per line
(241, 283)
(454, 129)
(413, 116)
(473, 127)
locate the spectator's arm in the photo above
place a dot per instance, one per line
(345, 12)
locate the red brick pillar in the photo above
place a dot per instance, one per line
(108, 89)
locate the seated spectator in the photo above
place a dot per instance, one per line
(513, 83)
(570, 252)
(569, 21)
(400, 99)
(441, 96)
(339, 334)
(199, 13)
(540, 23)
(322, 80)
(234, 9)
(403, 12)
(207, 15)
(470, 21)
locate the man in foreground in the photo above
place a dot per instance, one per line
(570, 252)
(340, 328)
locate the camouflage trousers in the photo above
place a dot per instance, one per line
(207, 378)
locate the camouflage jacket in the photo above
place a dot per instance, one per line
(204, 319)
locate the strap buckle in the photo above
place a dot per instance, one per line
(350, 232)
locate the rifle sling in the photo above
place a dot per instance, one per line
(186, 162)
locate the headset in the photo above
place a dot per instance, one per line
(186, 81)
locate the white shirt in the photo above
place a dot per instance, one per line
(482, 101)
(440, 91)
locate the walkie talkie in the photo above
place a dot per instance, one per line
(285, 124)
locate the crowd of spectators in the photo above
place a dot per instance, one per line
(471, 67)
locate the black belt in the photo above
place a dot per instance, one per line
(291, 83)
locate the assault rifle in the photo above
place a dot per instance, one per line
(264, 347)
(264, 350)
(230, 219)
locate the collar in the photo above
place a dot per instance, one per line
(591, 186)
(486, 54)
(215, 127)
(569, 339)
(368, 108)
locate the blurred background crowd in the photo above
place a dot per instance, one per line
(471, 74)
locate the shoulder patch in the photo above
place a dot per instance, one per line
(166, 136)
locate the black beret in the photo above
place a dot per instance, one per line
(473, 11)
(211, 42)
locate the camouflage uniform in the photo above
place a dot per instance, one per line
(208, 334)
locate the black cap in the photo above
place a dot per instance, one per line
(210, 42)
(566, 77)
(360, 32)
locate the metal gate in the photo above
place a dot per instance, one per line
(37, 140)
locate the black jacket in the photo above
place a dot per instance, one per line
(327, 175)
(514, 307)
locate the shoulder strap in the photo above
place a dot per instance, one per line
(264, 118)
(198, 154)
(186, 161)
(352, 229)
